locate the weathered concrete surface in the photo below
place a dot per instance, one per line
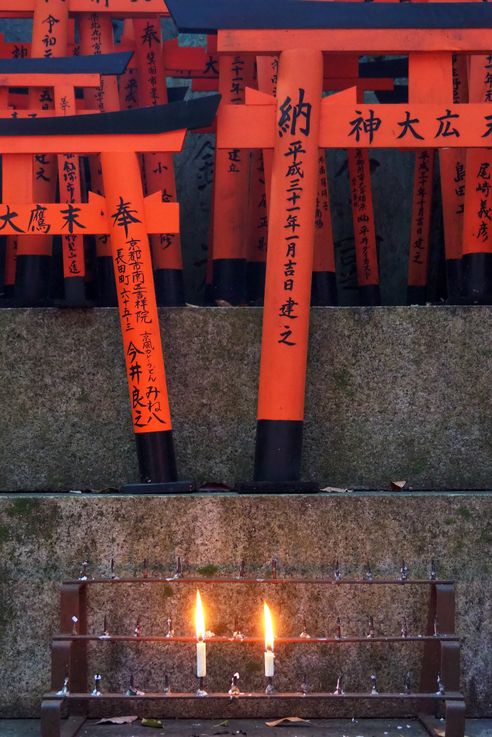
(393, 393)
(43, 540)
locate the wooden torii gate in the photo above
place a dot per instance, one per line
(128, 218)
(298, 124)
(62, 76)
(50, 39)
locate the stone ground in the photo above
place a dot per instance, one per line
(252, 728)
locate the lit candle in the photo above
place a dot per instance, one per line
(269, 655)
(201, 648)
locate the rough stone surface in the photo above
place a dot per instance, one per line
(392, 393)
(44, 538)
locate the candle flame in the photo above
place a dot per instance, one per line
(199, 618)
(269, 637)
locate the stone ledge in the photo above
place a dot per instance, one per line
(393, 393)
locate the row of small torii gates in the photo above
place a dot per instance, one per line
(287, 119)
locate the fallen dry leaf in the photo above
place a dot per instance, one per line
(335, 490)
(398, 485)
(118, 720)
(286, 721)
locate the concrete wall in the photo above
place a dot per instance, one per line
(393, 393)
(43, 540)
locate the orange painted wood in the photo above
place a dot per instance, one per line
(349, 125)
(366, 255)
(158, 167)
(70, 190)
(430, 77)
(231, 167)
(24, 8)
(257, 217)
(290, 236)
(324, 249)
(170, 141)
(137, 306)
(49, 39)
(85, 219)
(470, 40)
(477, 236)
(48, 80)
(452, 166)
(96, 37)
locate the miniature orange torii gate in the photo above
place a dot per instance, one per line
(42, 74)
(296, 126)
(128, 217)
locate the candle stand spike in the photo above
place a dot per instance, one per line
(137, 631)
(145, 569)
(170, 629)
(374, 685)
(368, 572)
(339, 687)
(371, 632)
(75, 622)
(201, 687)
(112, 573)
(440, 686)
(83, 576)
(408, 683)
(338, 574)
(436, 626)
(305, 685)
(270, 689)
(404, 571)
(274, 568)
(234, 689)
(132, 691)
(404, 628)
(304, 634)
(167, 684)
(242, 569)
(433, 571)
(236, 633)
(179, 570)
(105, 632)
(96, 691)
(339, 629)
(65, 689)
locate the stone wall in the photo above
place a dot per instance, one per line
(392, 393)
(43, 540)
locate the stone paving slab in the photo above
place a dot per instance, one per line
(251, 728)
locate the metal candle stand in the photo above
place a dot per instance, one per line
(439, 679)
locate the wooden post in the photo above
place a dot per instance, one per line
(430, 77)
(324, 287)
(477, 231)
(452, 167)
(230, 194)
(33, 263)
(139, 318)
(295, 171)
(158, 167)
(96, 37)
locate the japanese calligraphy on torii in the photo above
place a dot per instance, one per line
(353, 126)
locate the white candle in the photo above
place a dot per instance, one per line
(201, 648)
(201, 659)
(269, 664)
(269, 639)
